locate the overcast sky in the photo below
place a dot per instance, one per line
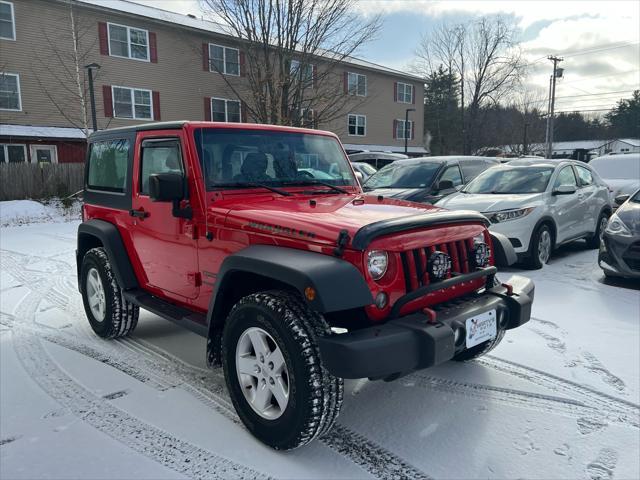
(599, 40)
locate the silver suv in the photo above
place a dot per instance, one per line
(539, 204)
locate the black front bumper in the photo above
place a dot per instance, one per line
(413, 342)
(620, 256)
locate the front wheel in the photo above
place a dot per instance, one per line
(593, 241)
(480, 350)
(274, 373)
(541, 247)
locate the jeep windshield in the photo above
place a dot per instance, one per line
(265, 158)
(401, 174)
(514, 180)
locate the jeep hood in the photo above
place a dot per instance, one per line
(321, 218)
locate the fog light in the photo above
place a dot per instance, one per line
(381, 300)
(481, 254)
(439, 265)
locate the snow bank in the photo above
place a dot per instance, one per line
(23, 212)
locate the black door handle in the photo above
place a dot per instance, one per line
(138, 213)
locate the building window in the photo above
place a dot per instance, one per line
(404, 129)
(223, 110)
(404, 93)
(10, 92)
(307, 117)
(13, 153)
(132, 103)
(224, 60)
(302, 72)
(128, 42)
(7, 21)
(357, 84)
(357, 125)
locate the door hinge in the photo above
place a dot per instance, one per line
(195, 278)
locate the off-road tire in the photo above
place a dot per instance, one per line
(533, 260)
(593, 241)
(121, 317)
(480, 350)
(315, 396)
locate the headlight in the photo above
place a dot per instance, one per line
(377, 263)
(617, 227)
(439, 265)
(481, 254)
(506, 215)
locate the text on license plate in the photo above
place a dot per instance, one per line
(481, 328)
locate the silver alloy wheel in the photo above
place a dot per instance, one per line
(262, 373)
(95, 295)
(604, 221)
(544, 247)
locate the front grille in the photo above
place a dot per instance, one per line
(414, 262)
(632, 256)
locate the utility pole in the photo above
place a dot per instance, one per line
(525, 147)
(557, 73)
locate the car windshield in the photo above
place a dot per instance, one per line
(511, 180)
(636, 197)
(403, 175)
(231, 158)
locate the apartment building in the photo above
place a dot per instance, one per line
(158, 65)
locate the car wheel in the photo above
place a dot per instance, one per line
(109, 314)
(593, 241)
(480, 350)
(541, 247)
(276, 379)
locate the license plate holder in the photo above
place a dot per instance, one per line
(481, 328)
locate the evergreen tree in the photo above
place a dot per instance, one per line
(442, 112)
(624, 119)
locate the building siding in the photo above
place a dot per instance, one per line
(42, 53)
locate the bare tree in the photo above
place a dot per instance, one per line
(486, 58)
(291, 53)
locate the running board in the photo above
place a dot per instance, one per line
(196, 322)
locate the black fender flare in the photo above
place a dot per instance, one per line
(503, 252)
(108, 235)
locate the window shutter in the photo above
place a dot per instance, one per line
(314, 74)
(413, 94)
(243, 112)
(104, 38)
(156, 105)
(395, 91)
(346, 82)
(207, 109)
(395, 129)
(205, 57)
(153, 47)
(108, 102)
(242, 65)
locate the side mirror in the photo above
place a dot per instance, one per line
(620, 199)
(166, 187)
(359, 176)
(564, 190)
(445, 185)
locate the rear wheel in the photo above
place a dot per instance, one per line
(109, 314)
(541, 247)
(274, 373)
(594, 240)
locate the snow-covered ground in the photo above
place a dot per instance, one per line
(559, 398)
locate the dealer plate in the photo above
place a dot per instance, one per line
(481, 328)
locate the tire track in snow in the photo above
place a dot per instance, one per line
(626, 411)
(150, 441)
(211, 390)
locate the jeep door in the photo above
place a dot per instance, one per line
(163, 242)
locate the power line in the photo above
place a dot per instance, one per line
(584, 111)
(601, 76)
(594, 50)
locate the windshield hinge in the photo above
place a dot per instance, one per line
(341, 242)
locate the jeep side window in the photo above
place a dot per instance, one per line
(107, 169)
(161, 156)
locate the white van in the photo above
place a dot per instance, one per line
(620, 172)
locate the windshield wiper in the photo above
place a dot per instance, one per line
(317, 182)
(284, 193)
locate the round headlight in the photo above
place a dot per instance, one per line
(377, 263)
(439, 265)
(481, 254)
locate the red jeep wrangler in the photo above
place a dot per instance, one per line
(260, 239)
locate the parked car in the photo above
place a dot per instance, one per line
(619, 254)
(376, 159)
(620, 172)
(296, 283)
(426, 179)
(364, 169)
(539, 206)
